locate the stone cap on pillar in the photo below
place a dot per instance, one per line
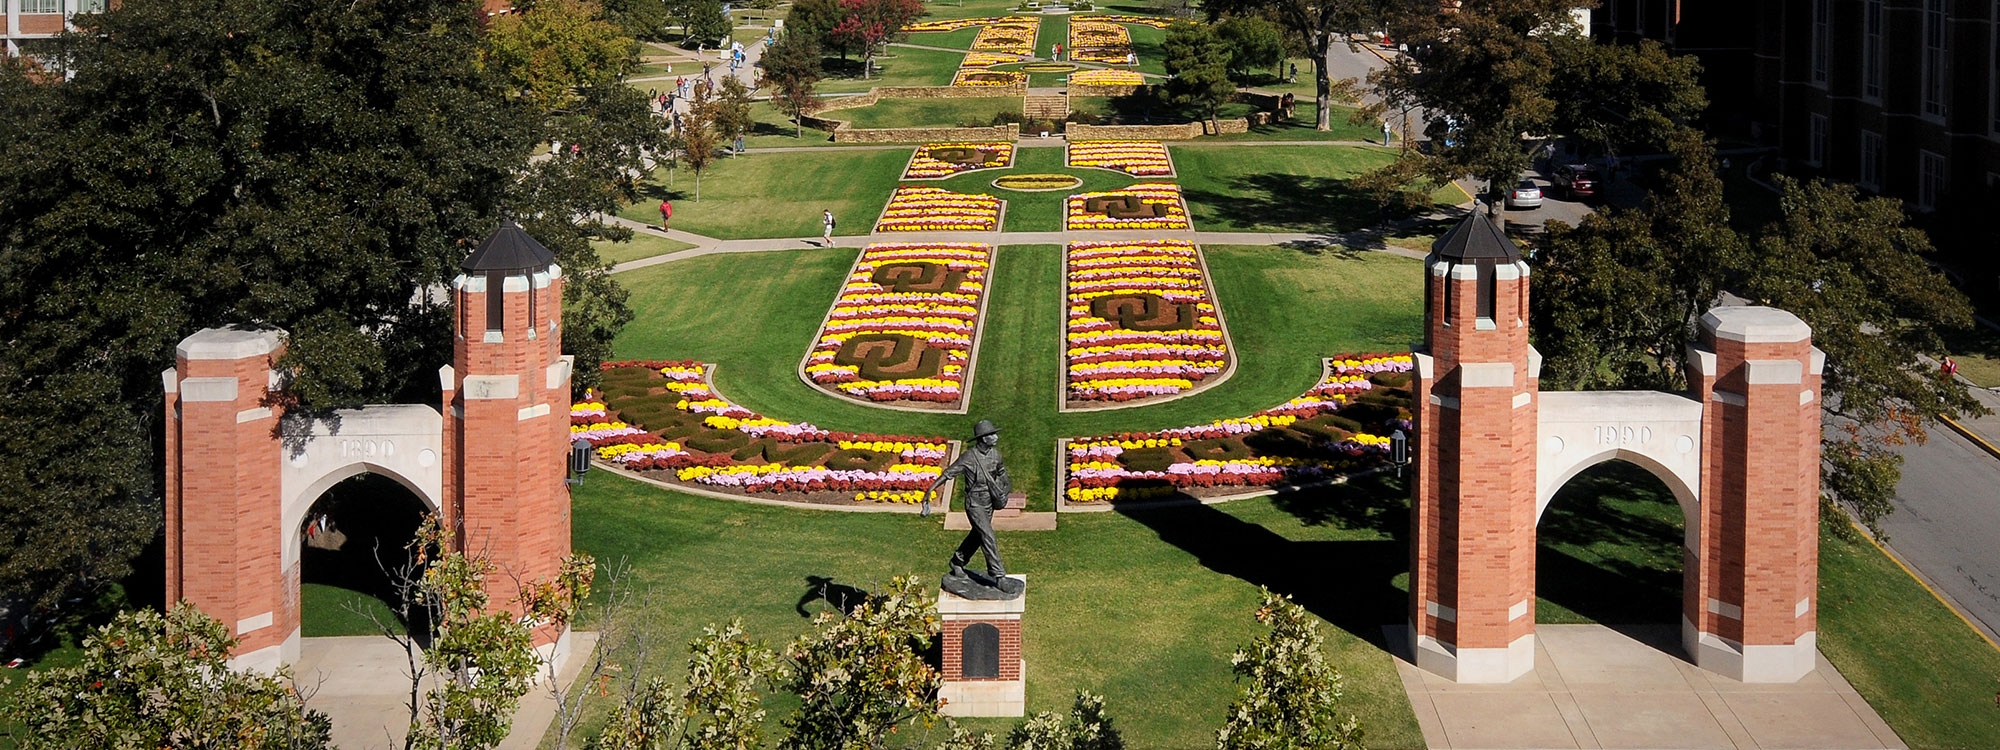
(229, 343)
(1755, 325)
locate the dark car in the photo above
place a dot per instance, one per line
(1577, 181)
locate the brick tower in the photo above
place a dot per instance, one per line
(507, 400)
(1472, 542)
(1750, 604)
(225, 542)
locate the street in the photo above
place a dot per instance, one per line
(1947, 522)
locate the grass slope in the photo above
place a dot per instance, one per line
(917, 113)
(1280, 188)
(902, 66)
(776, 194)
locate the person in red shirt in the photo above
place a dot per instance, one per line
(666, 213)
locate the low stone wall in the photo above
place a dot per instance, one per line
(1113, 91)
(846, 134)
(879, 93)
(1180, 132)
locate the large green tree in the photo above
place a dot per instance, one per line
(1254, 44)
(1318, 25)
(791, 71)
(1198, 61)
(316, 166)
(1621, 97)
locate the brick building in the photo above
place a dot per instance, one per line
(1900, 97)
(29, 20)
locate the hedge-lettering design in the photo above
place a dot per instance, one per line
(918, 277)
(889, 356)
(1140, 311)
(1124, 207)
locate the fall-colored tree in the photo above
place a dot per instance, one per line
(791, 71)
(866, 24)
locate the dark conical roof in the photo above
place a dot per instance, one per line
(1476, 237)
(508, 249)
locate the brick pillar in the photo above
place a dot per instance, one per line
(224, 542)
(972, 692)
(1472, 542)
(1750, 607)
(507, 439)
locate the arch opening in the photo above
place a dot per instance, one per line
(354, 548)
(1610, 548)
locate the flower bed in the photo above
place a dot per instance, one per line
(902, 330)
(1013, 36)
(675, 427)
(1340, 426)
(934, 161)
(983, 59)
(1142, 325)
(1147, 205)
(952, 24)
(1153, 21)
(1099, 42)
(1136, 158)
(915, 208)
(979, 77)
(1106, 77)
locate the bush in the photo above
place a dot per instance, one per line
(1084, 118)
(1147, 459)
(1005, 118)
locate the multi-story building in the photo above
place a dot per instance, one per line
(28, 20)
(1900, 97)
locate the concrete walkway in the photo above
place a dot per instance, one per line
(1595, 687)
(362, 683)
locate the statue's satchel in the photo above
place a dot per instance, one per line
(999, 487)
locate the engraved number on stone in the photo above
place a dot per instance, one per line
(1611, 434)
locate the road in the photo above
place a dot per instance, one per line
(1947, 522)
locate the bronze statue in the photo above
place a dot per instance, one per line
(986, 489)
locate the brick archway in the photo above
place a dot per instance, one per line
(1740, 452)
(240, 477)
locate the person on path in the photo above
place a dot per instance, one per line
(826, 224)
(1294, 77)
(666, 214)
(1058, 54)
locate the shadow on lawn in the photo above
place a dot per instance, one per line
(1289, 202)
(1635, 577)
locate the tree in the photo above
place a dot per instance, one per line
(1853, 269)
(722, 701)
(639, 19)
(1198, 62)
(1619, 97)
(814, 20)
(484, 660)
(703, 21)
(733, 117)
(1318, 24)
(697, 136)
(861, 676)
(1288, 696)
(791, 68)
(865, 24)
(1253, 44)
(1482, 74)
(552, 50)
(1086, 727)
(152, 680)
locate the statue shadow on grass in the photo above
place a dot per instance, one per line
(840, 596)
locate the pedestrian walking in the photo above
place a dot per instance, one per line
(1058, 54)
(1948, 368)
(666, 214)
(826, 222)
(1294, 77)
(739, 144)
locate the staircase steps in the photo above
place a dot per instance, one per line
(1053, 107)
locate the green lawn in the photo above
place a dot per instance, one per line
(331, 610)
(776, 194)
(1041, 211)
(969, 8)
(1300, 128)
(1143, 608)
(1147, 43)
(960, 39)
(1274, 300)
(903, 66)
(640, 246)
(1278, 188)
(1609, 550)
(775, 129)
(917, 113)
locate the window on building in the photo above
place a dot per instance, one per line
(1934, 62)
(1871, 49)
(90, 6)
(1816, 140)
(1822, 39)
(1930, 180)
(1639, 18)
(496, 300)
(1488, 288)
(41, 6)
(1871, 160)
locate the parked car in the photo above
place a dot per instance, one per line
(1578, 181)
(1526, 194)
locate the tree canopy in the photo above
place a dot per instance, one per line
(1318, 24)
(1198, 60)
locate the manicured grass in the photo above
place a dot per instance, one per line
(1278, 188)
(970, 8)
(1977, 352)
(1301, 128)
(1143, 608)
(1610, 550)
(1276, 302)
(776, 194)
(960, 39)
(640, 246)
(1930, 675)
(775, 129)
(1147, 43)
(1042, 211)
(331, 610)
(916, 113)
(903, 66)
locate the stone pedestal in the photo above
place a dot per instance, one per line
(984, 674)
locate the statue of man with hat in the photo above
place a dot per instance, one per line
(986, 489)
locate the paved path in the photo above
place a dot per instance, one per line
(1596, 687)
(1947, 517)
(362, 683)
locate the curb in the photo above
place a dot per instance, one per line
(1914, 576)
(1968, 434)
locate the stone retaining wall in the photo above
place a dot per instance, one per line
(1114, 91)
(845, 133)
(879, 93)
(1179, 132)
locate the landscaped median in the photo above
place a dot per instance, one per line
(1339, 427)
(1148, 205)
(1142, 325)
(904, 328)
(666, 422)
(915, 208)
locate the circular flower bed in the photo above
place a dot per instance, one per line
(1030, 183)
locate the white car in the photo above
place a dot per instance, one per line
(1525, 194)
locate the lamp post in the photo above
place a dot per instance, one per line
(579, 462)
(1399, 451)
